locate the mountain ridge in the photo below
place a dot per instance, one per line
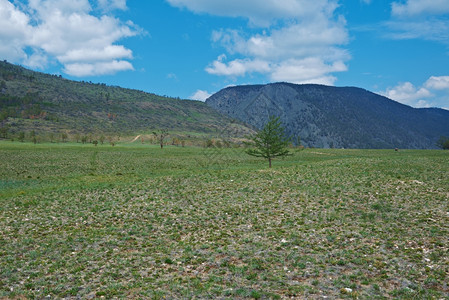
(340, 117)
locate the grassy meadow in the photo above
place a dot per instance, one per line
(135, 221)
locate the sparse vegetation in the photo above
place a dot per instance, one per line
(132, 221)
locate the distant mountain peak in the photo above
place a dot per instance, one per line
(328, 116)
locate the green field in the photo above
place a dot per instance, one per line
(135, 221)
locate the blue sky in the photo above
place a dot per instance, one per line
(193, 48)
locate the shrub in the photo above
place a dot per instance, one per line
(443, 143)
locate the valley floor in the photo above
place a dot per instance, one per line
(137, 221)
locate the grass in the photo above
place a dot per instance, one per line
(140, 222)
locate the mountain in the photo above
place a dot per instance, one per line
(43, 103)
(324, 116)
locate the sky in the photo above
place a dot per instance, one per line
(193, 48)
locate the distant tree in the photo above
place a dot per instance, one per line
(161, 135)
(77, 137)
(270, 142)
(95, 142)
(209, 143)
(21, 136)
(112, 140)
(102, 139)
(4, 131)
(443, 143)
(64, 137)
(175, 142)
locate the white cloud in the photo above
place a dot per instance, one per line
(438, 83)
(14, 31)
(419, 19)
(108, 53)
(238, 67)
(431, 29)
(308, 70)
(299, 40)
(259, 13)
(36, 60)
(407, 93)
(97, 68)
(420, 7)
(294, 40)
(200, 95)
(432, 93)
(108, 5)
(43, 10)
(66, 31)
(422, 104)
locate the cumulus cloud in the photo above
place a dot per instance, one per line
(308, 70)
(14, 31)
(200, 95)
(432, 93)
(438, 83)
(67, 31)
(407, 93)
(296, 40)
(238, 67)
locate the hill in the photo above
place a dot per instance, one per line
(43, 103)
(324, 116)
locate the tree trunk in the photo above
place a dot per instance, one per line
(269, 161)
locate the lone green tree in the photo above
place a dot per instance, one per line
(270, 142)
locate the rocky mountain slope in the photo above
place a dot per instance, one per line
(324, 116)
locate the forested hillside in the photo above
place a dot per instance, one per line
(48, 104)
